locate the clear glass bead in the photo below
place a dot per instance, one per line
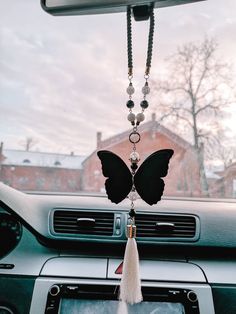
(133, 196)
(131, 117)
(146, 89)
(134, 157)
(140, 117)
(130, 89)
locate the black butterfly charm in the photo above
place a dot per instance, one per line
(147, 179)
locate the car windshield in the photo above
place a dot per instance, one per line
(63, 97)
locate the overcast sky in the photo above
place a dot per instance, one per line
(62, 79)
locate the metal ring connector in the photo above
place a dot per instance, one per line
(134, 137)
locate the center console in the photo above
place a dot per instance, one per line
(90, 285)
(100, 299)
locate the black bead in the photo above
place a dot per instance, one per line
(130, 104)
(132, 213)
(134, 166)
(144, 104)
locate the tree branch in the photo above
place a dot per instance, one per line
(210, 106)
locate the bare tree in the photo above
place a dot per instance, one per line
(28, 143)
(196, 91)
(221, 147)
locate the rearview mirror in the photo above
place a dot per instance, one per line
(79, 7)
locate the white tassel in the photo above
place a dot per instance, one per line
(122, 308)
(130, 287)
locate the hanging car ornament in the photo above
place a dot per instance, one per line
(145, 180)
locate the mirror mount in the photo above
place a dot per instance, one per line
(141, 12)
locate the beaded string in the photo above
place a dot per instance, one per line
(146, 89)
(135, 120)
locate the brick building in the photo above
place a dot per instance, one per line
(37, 171)
(183, 176)
(34, 171)
(215, 181)
(228, 181)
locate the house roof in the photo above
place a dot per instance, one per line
(39, 159)
(211, 174)
(231, 169)
(147, 126)
(151, 125)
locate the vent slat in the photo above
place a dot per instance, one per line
(76, 217)
(84, 232)
(154, 224)
(80, 215)
(65, 221)
(78, 229)
(84, 216)
(164, 220)
(157, 231)
(164, 235)
(87, 231)
(75, 225)
(184, 226)
(159, 220)
(75, 222)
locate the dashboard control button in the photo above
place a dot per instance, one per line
(192, 296)
(54, 290)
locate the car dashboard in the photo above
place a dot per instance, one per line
(58, 249)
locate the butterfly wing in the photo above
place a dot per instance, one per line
(147, 179)
(119, 182)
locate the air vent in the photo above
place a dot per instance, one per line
(83, 222)
(165, 226)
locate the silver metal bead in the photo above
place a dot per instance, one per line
(140, 117)
(130, 89)
(131, 117)
(146, 89)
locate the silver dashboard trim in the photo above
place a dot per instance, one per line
(162, 271)
(218, 271)
(81, 267)
(76, 267)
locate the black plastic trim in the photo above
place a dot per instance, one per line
(16, 293)
(224, 297)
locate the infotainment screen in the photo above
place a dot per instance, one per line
(77, 306)
(103, 299)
